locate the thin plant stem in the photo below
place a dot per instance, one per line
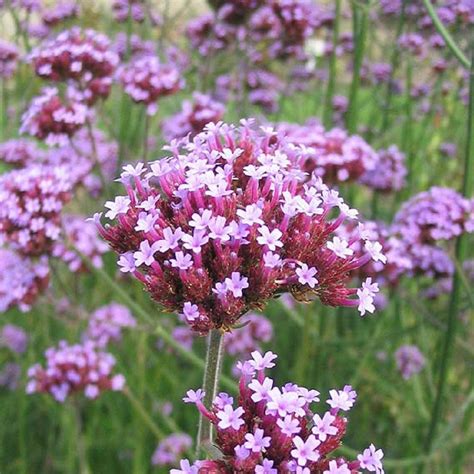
(359, 31)
(393, 66)
(80, 442)
(137, 406)
(210, 384)
(145, 137)
(327, 118)
(407, 129)
(95, 155)
(446, 35)
(460, 253)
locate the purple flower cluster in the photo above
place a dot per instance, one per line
(20, 152)
(74, 368)
(14, 338)
(255, 329)
(193, 117)
(389, 173)
(52, 118)
(332, 154)
(10, 375)
(21, 280)
(145, 79)
(229, 221)
(171, 449)
(31, 201)
(439, 214)
(137, 45)
(83, 58)
(274, 429)
(8, 59)
(80, 239)
(61, 11)
(410, 360)
(106, 323)
(436, 214)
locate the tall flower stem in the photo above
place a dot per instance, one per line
(460, 253)
(145, 138)
(210, 383)
(332, 66)
(359, 22)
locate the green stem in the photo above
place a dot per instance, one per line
(210, 384)
(359, 31)
(393, 66)
(327, 120)
(407, 129)
(460, 253)
(137, 406)
(446, 35)
(145, 138)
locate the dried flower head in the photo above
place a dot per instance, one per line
(230, 221)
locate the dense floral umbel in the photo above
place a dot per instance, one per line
(276, 429)
(31, 200)
(389, 173)
(74, 368)
(106, 323)
(170, 449)
(20, 152)
(409, 360)
(80, 238)
(61, 11)
(81, 56)
(436, 214)
(193, 117)
(228, 222)
(13, 337)
(52, 118)
(146, 80)
(8, 59)
(332, 154)
(21, 280)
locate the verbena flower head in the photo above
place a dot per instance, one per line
(31, 200)
(83, 57)
(8, 59)
(436, 214)
(138, 46)
(52, 118)
(80, 238)
(146, 80)
(193, 117)
(334, 155)
(410, 360)
(389, 173)
(13, 337)
(19, 152)
(171, 449)
(10, 374)
(74, 368)
(106, 323)
(21, 280)
(61, 11)
(277, 429)
(229, 221)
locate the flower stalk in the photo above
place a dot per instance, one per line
(210, 384)
(460, 253)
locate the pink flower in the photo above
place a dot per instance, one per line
(305, 450)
